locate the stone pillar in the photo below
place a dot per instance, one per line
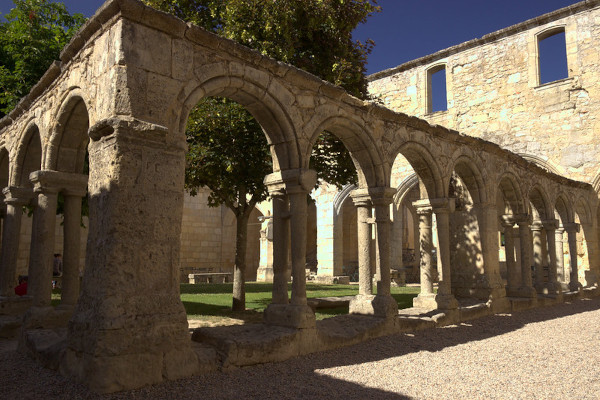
(536, 231)
(72, 242)
(15, 198)
(297, 314)
(526, 289)
(512, 271)
(383, 304)
(42, 238)
(442, 208)
(129, 328)
(490, 283)
(427, 299)
(553, 284)
(364, 221)
(560, 258)
(265, 268)
(572, 229)
(281, 243)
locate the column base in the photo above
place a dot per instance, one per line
(378, 305)
(575, 286)
(46, 318)
(299, 316)
(435, 301)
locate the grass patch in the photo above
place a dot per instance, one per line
(212, 301)
(207, 300)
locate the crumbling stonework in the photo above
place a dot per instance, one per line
(123, 90)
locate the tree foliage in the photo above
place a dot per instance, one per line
(32, 37)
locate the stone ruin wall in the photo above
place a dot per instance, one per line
(493, 92)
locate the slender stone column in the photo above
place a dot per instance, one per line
(443, 300)
(526, 289)
(572, 229)
(298, 218)
(15, 198)
(363, 216)
(442, 209)
(536, 231)
(560, 258)
(281, 240)
(296, 184)
(512, 271)
(491, 283)
(553, 284)
(72, 244)
(383, 304)
(426, 248)
(42, 239)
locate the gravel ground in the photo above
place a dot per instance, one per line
(548, 353)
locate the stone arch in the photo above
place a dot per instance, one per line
(271, 112)
(28, 156)
(426, 168)
(562, 210)
(360, 145)
(341, 197)
(68, 142)
(468, 171)
(540, 203)
(511, 195)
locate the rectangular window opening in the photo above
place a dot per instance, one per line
(437, 90)
(552, 51)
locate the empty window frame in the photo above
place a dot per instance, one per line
(552, 56)
(436, 89)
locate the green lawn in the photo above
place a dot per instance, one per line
(212, 301)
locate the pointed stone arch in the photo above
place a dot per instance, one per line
(28, 157)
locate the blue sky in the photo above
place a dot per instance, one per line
(409, 29)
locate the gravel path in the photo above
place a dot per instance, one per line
(548, 353)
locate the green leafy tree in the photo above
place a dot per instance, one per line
(30, 40)
(223, 138)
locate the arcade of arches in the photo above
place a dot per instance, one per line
(446, 209)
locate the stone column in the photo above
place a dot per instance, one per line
(560, 258)
(490, 284)
(526, 289)
(364, 221)
(536, 231)
(129, 313)
(42, 238)
(572, 229)
(15, 198)
(553, 284)
(512, 270)
(442, 208)
(281, 243)
(426, 297)
(72, 242)
(296, 184)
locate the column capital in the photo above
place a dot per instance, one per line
(571, 227)
(550, 224)
(536, 226)
(377, 196)
(48, 181)
(507, 220)
(291, 180)
(17, 196)
(438, 206)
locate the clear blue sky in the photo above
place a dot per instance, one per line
(409, 29)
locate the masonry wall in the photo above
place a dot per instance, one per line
(493, 93)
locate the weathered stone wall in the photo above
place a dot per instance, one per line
(493, 92)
